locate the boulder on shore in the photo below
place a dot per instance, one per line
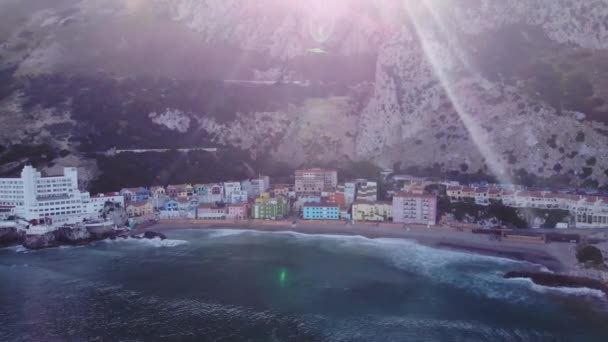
(559, 280)
(40, 241)
(152, 235)
(10, 236)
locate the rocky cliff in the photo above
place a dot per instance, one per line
(515, 89)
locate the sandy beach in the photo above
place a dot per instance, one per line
(557, 257)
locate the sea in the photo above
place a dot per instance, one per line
(231, 285)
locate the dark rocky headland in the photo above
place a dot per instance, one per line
(559, 280)
(69, 237)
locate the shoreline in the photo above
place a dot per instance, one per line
(552, 256)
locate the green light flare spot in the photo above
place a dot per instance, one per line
(283, 277)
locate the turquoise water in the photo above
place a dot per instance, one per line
(250, 286)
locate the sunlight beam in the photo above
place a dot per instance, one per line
(448, 82)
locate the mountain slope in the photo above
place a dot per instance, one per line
(511, 89)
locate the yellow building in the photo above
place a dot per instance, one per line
(372, 211)
(140, 209)
(264, 197)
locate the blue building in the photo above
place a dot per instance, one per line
(142, 195)
(171, 205)
(321, 211)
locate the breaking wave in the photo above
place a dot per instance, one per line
(571, 291)
(157, 242)
(220, 233)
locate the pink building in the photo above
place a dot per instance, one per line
(415, 208)
(238, 211)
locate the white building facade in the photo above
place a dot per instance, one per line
(230, 188)
(35, 197)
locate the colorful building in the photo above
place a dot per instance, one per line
(335, 197)
(270, 208)
(97, 202)
(140, 209)
(372, 211)
(157, 192)
(210, 193)
(238, 211)
(255, 187)
(230, 188)
(280, 190)
(415, 208)
(321, 211)
(238, 197)
(211, 211)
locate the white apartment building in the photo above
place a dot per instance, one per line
(368, 191)
(35, 197)
(350, 191)
(257, 186)
(231, 188)
(238, 197)
(315, 180)
(415, 208)
(97, 202)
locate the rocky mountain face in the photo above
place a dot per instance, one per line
(513, 89)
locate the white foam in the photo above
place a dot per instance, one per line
(156, 242)
(219, 233)
(17, 249)
(571, 291)
(163, 243)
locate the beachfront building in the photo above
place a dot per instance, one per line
(315, 180)
(255, 187)
(211, 211)
(321, 211)
(157, 192)
(170, 210)
(128, 194)
(367, 191)
(280, 190)
(140, 194)
(372, 211)
(238, 197)
(210, 193)
(96, 203)
(349, 191)
(303, 199)
(34, 197)
(334, 197)
(230, 188)
(140, 209)
(270, 208)
(6, 211)
(238, 211)
(415, 208)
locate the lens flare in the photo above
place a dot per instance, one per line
(283, 277)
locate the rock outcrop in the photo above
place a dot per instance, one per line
(11, 236)
(559, 280)
(74, 237)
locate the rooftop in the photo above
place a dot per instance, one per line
(321, 205)
(413, 195)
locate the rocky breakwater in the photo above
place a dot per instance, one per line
(10, 236)
(560, 280)
(69, 237)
